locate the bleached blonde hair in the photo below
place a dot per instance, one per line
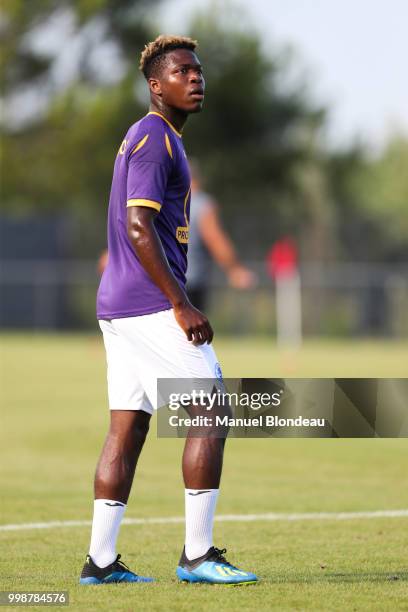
(153, 55)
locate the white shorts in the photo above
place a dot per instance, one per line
(139, 350)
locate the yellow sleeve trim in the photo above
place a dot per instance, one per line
(140, 144)
(168, 145)
(147, 203)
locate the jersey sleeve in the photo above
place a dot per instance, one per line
(149, 166)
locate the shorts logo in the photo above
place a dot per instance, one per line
(218, 372)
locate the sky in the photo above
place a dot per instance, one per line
(353, 52)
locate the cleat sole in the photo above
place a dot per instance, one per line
(90, 580)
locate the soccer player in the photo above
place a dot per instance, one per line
(208, 241)
(150, 329)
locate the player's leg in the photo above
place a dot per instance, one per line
(113, 481)
(123, 445)
(130, 416)
(202, 466)
(202, 462)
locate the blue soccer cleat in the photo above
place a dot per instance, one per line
(115, 572)
(212, 568)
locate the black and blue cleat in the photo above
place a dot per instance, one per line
(113, 573)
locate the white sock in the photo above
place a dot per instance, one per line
(107, 517)
(200, 508)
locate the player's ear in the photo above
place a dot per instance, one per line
(155, 86)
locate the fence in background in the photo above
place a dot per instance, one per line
(337, 299)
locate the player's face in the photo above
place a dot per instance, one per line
(181, 82)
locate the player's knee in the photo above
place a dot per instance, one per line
(141, 429)
(128, 430)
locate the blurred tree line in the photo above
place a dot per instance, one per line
(71, 88)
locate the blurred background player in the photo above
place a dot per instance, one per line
(208, 241)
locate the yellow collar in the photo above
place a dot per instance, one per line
(167, 121)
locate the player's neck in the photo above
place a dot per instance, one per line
(175, 117)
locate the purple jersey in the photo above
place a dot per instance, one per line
(151, 170)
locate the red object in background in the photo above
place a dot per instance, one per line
(282, 258)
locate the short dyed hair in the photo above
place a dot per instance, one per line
(153, 56)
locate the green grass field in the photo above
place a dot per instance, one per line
(54, 418)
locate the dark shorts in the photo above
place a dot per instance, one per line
(198, 297)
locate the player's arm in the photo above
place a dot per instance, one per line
(149, 249)
(222, 250)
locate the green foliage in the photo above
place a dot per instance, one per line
(20, 18)
(251, 137)
(371, 197)
(63, 161)
(382, 189)
(69, 164)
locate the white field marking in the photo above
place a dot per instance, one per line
(223, 518)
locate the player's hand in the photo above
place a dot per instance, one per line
(194, 323)
(241, 277)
